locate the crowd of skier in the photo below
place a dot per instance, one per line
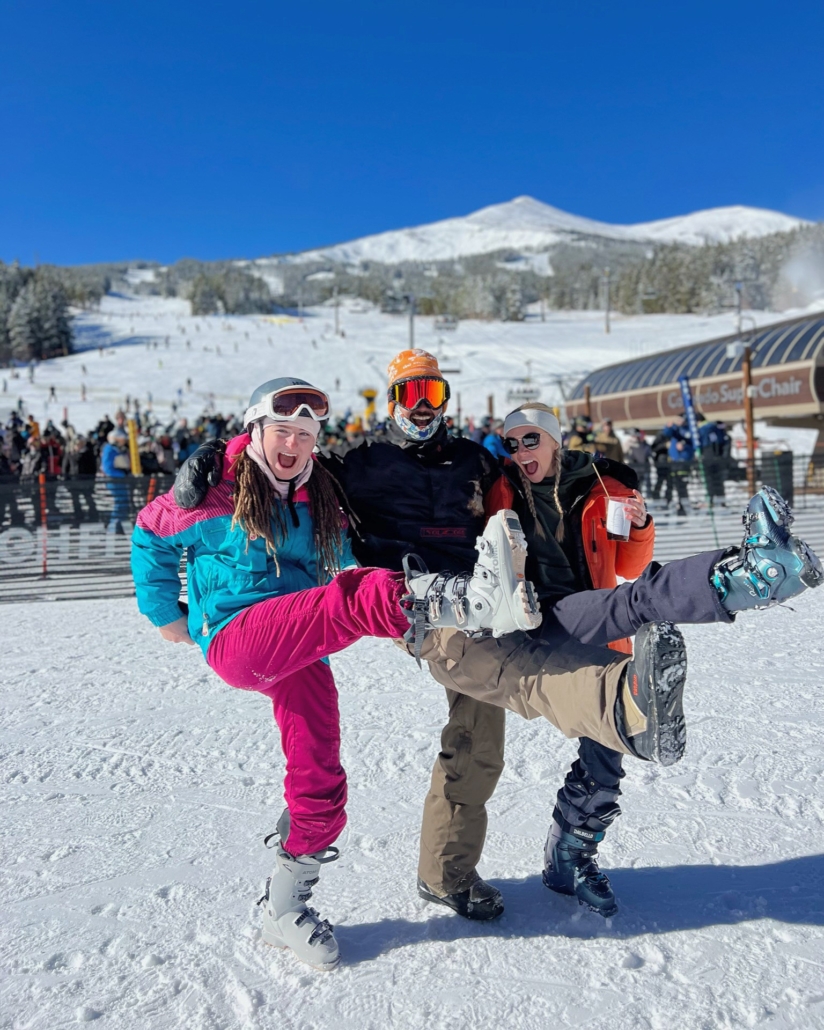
(499, 571)
(663, 466)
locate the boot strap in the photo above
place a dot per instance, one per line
(581, 833)
(415, 607)
(266, 892)
(329, 854)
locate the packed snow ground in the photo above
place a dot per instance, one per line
(122, 352)
(137, 787)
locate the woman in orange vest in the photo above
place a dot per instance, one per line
(561, 497)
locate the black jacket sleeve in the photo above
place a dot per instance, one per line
(198, 472)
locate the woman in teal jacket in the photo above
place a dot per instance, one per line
(272, 590)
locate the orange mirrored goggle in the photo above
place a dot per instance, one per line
(412, 392)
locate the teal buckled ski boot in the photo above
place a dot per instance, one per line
(771, 565)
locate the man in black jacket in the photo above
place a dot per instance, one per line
(421, 491)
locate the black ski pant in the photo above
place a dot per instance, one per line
(679, 592)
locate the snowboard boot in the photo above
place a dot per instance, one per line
(649, 711)
(288, 922)
(494, 597)
(771, 565)
(570, 855)
(480, 901)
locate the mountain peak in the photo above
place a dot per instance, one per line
(525, 223)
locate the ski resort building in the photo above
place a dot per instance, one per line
(787, 378)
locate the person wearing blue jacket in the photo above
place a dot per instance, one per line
(494, 441)
(681, 454)
(715, 449)
(114, 464)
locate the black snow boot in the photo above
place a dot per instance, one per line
(480, 901)
(649, 712)
(581, 818)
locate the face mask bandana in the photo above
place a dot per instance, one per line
(418, 433)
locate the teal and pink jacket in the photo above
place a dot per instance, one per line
(226, 571)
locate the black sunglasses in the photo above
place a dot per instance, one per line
(529, 440)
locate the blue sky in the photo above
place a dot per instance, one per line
(167, 130)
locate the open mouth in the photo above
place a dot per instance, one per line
(530, 467)
(421, 419)
(287, 461)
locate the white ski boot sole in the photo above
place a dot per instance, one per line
(507, 537)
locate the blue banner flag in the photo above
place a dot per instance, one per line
(689, 411)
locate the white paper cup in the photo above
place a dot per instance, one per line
(618, 525)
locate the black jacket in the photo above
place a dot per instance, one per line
(422, 498)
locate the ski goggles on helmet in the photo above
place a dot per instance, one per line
(529, 440)
(289, 403)
(409, 393)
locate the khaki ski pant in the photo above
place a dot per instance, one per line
(574, 686)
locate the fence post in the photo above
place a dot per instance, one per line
(152, 489)
(44, 522)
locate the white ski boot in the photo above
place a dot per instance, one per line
(495, 596)
(288, 922)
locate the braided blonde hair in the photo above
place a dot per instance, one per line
(554, 471)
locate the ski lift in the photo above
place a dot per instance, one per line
(447, 365)
(522, 393)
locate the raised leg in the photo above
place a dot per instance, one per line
(279, 636)
(679, 592)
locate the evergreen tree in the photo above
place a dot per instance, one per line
(52, 316)
(23, 328)
(38, 322)
(205, 296)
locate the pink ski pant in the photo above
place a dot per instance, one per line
(275, 647)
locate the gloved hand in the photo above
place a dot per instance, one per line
(200, 471)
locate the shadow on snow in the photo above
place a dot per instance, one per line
(651, 901)
(87, 337)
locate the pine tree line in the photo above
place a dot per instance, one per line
(230, 291)
(34, 314)
(775, 272)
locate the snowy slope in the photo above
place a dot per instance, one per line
(528, 224)
(717, 225)
(522, 223)
(136, 788)
(226, 357)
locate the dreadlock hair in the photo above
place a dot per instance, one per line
(554, 471)
(260, 512)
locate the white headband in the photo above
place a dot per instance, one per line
(537, 418)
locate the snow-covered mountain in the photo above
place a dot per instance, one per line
(716, 225)
(528, 224)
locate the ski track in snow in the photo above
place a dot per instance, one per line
(137, 787)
